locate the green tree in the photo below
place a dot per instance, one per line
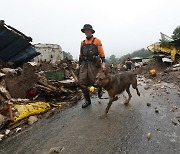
(67, 55)
(123, 58)
(176, 33)
(139, 53)
(113, 59)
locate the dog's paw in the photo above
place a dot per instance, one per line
(126, 102)
(116, 98)
(103, 116)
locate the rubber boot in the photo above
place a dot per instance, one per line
(87, 100)
(100, 92)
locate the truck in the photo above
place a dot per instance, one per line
(166, 50)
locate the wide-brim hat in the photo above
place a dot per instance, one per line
(88, 26)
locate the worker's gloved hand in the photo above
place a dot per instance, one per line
(103, 66)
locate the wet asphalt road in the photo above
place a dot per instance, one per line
(80, 131)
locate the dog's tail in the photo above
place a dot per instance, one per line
(134, 84)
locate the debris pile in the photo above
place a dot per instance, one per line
(166, 73)
(28, 89)
(32, 90)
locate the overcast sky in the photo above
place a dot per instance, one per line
(123, 26)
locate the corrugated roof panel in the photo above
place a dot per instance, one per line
(6, 38)
(13, 49)
(14, 44)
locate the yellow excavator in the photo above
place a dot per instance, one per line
(167, 49)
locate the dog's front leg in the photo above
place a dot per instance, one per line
(108, 106)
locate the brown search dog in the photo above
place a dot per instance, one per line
(116, 84)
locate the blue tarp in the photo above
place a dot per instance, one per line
(15, 47)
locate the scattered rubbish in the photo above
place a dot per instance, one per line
(167, 60)
(156, 110)
(18, 129)
(2, 75)
(162, 87)
(32, 120)
(148, 104)
(174, 121)
(147, 87)
(174, 109)
(55, 150)
(148, 136)
(1, 136)
(9, 70)
(33, 63)
(152, 72)
(176, 65)
(172, 69)
(7, 131)
(158, 129)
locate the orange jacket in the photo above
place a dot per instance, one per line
(98, 43)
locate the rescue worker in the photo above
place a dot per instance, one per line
(128, 64)
(118, 67)
(91, 59)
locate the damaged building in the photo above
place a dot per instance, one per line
(49, 53)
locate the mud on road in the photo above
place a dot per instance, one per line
(80, 131)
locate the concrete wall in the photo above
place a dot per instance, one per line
(49, 52)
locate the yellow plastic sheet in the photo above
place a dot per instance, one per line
(25, 110)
